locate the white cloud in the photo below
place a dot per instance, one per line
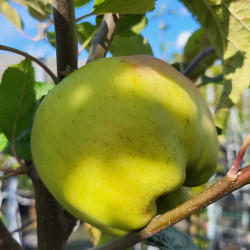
(184, 12)
(182, 39)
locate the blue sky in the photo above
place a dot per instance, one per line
(171, 14)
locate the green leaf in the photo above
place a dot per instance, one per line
(205, 80)
(171, 239)
(3, 141)
(130, 45)
(10, 13)
(79, 3)
(51, 36)
(22, 142)
(128, 40)
(221, 118)
(85, 33)
(197, 42)
(134, 23)
(2, 218)
(42, 89)
(123, 7)
(17, 99)
(39, 9)
(228, 29)
(22, 145)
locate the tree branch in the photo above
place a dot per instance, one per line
(66, 36)
(19, 52)
(195, 62)
(6, 240)
(235, 168)
(54, 224)
(104, 37)
(218, 190)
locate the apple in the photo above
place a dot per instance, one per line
(117, 134)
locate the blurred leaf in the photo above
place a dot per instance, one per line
(79, 3)
(42, 89)
(134, 23)
(205, 80)
(22, 145)
(2, 218)
(123, 7)
(3, 141)
(85, 31)
(39, 9)
(227, 26)
(180, 66)
(10, 13)
(221, 118)
(197, 42)
(51, 36)
(130, 45)
(171, 239)
(25, 183)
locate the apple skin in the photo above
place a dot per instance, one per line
(117, 134)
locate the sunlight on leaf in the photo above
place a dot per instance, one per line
(42, 89)
(3, 141)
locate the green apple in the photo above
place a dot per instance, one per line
(119, 133)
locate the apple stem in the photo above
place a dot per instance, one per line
(233, 172)
(26, 55)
